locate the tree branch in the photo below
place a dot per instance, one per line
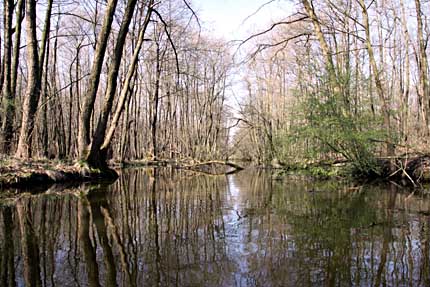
(274, 25)
(170, 40)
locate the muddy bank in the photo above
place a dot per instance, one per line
(42, 173)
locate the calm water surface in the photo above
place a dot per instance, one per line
(170, 228)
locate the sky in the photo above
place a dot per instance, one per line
(234, 19)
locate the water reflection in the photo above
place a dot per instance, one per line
(170, 228)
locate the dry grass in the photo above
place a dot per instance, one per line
(12, 165)
(16, 172)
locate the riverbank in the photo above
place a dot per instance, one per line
(406, 170)
(30, 174)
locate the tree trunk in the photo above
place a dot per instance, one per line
(405, 92)
(378, 82)
(156, 103)
(45, 100)
(8, 97)
(324, 46)
(423, 70)
(15, 62)
(125, 89)
(32, 94)
(93, 157)
(91, 93)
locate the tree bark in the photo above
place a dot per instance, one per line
(405, 92)
(33, 84)
(18, 30)
(423, 70)
(324, 46)
(8, 97)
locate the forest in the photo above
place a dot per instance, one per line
(124, 125)
(333, 81)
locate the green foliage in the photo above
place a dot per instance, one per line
(327, 127)
(323, 172)
(315, 171)
(355, 136)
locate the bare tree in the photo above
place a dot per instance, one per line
(94, 157)
(90, 95)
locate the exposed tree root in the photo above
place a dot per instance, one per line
(412, 168)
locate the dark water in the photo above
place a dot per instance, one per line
(169, 228)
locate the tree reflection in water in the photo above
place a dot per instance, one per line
(163, 227)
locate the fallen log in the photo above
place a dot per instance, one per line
(214, 167)
(419, 168)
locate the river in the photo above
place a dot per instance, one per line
(166, 227)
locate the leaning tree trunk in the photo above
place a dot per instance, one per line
(98, 154)
(94, 157)
(125, 91)
(334, 84)
(90, 96)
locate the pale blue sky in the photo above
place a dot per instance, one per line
(225, 17)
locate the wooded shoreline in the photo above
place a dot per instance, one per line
(38, 173)
(412, 170)
(131, 80)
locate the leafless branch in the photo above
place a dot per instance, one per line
(258, 10)
(170, 39)
(274, 25)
